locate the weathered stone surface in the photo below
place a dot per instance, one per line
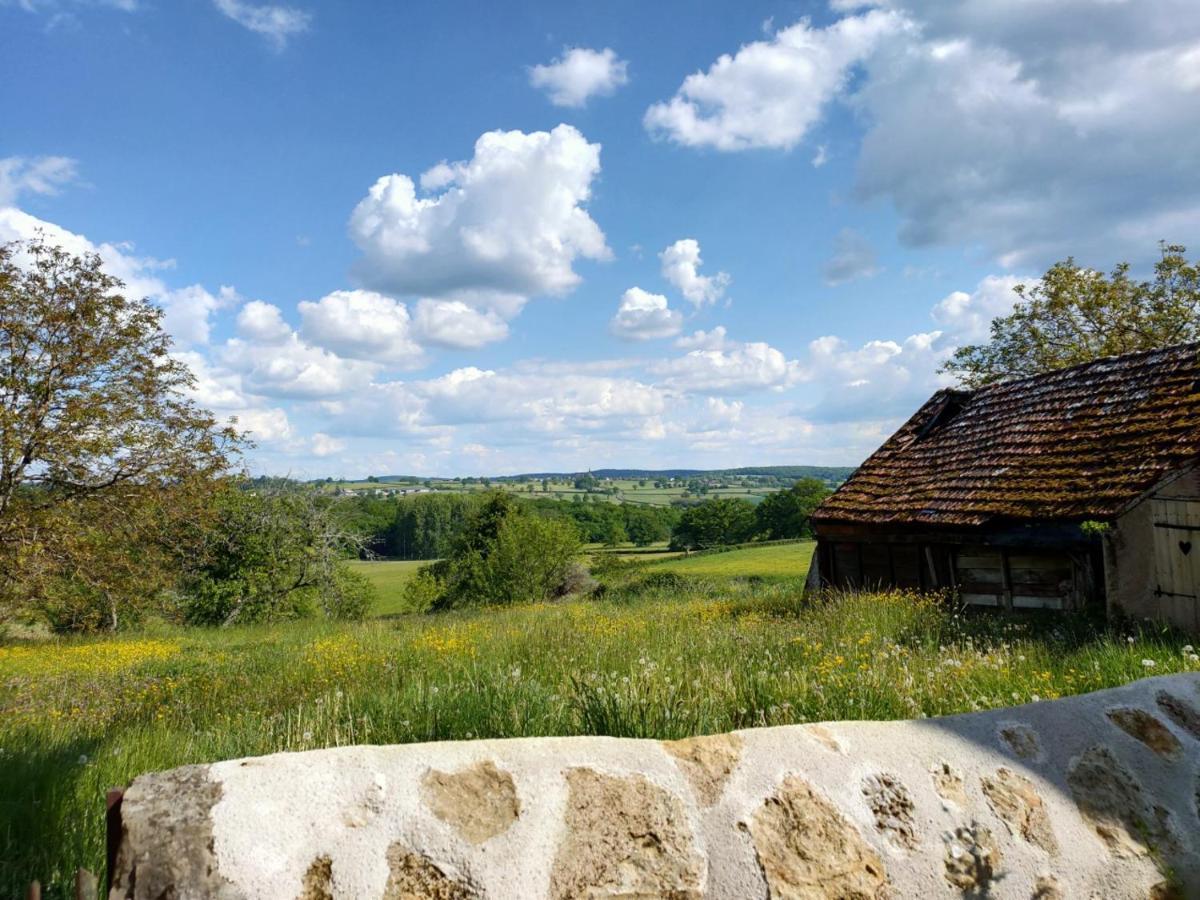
(167, 841)
(318, 880)
(480, 802)
(1180, 712)
(825, 737)
(809, 851)
(972, 859)
(1111, 801)
(1022, 741)
(625, 837)
(707, 762)
(412, 876)
(893, 808)
(598, 818)
(1047, 888)
(948, 782)
(1013, 798)
(1140, 724)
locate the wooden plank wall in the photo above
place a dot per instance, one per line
(1176, 524)
(987, 576)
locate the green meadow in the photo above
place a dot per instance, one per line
(664, 649)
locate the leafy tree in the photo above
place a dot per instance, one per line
(276, 555)
(105, 465)
(646, 526)
(714, 523)
(614, 533)
(506, 554)
(1074, 315)
(785, 514)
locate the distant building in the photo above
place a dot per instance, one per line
(1078, 488)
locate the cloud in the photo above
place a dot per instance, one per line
(1028, 131)
(714, 339)
(541, 402)
(580, 74)
(277, 24)
(263, 323)
(853, 258)
(510, 220)
(643, 316)
(879, 381)
(188, 311)
(739, 368)
(361, 325)
(680, 266)
(294, 369)
(325, 445)
(46, 175)
(967, 317)
(770, 93)
(457, 325)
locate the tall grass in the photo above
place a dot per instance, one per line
(661, 655)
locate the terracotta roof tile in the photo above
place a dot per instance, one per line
(1075, 444)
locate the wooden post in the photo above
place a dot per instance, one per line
(1006, 579)
(112, 835)
(35, 891)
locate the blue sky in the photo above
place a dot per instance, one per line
(452, 238)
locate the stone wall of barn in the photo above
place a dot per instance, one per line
(1132, 576)
(1091, 796)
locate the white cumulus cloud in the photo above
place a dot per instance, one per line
(263, 323)
(579, 74)
(361, 325)
(738, 369)
(680, 266)
(770, 92)
(457, 325)
(509, 220)
(643, 316)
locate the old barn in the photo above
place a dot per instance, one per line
(1073, 489)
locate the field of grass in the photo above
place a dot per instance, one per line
(770, 561)
(388, 577)
(664, 653)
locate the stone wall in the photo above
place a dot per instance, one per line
(1087, 797)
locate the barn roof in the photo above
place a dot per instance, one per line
(1076, 444)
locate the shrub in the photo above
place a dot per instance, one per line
(507, 555)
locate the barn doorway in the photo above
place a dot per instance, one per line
(1177, 559)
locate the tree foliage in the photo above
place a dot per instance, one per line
(506, 554)
(106, 466)
(786, 514)
(276, 555)
(1074, 315)
(714, 523)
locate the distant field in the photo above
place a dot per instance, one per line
(769, 561)
(628, 490)
(389, 577)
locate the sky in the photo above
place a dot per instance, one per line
(446, 238)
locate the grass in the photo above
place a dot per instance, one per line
(770, 561)
(662, 653)
(388, 577)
